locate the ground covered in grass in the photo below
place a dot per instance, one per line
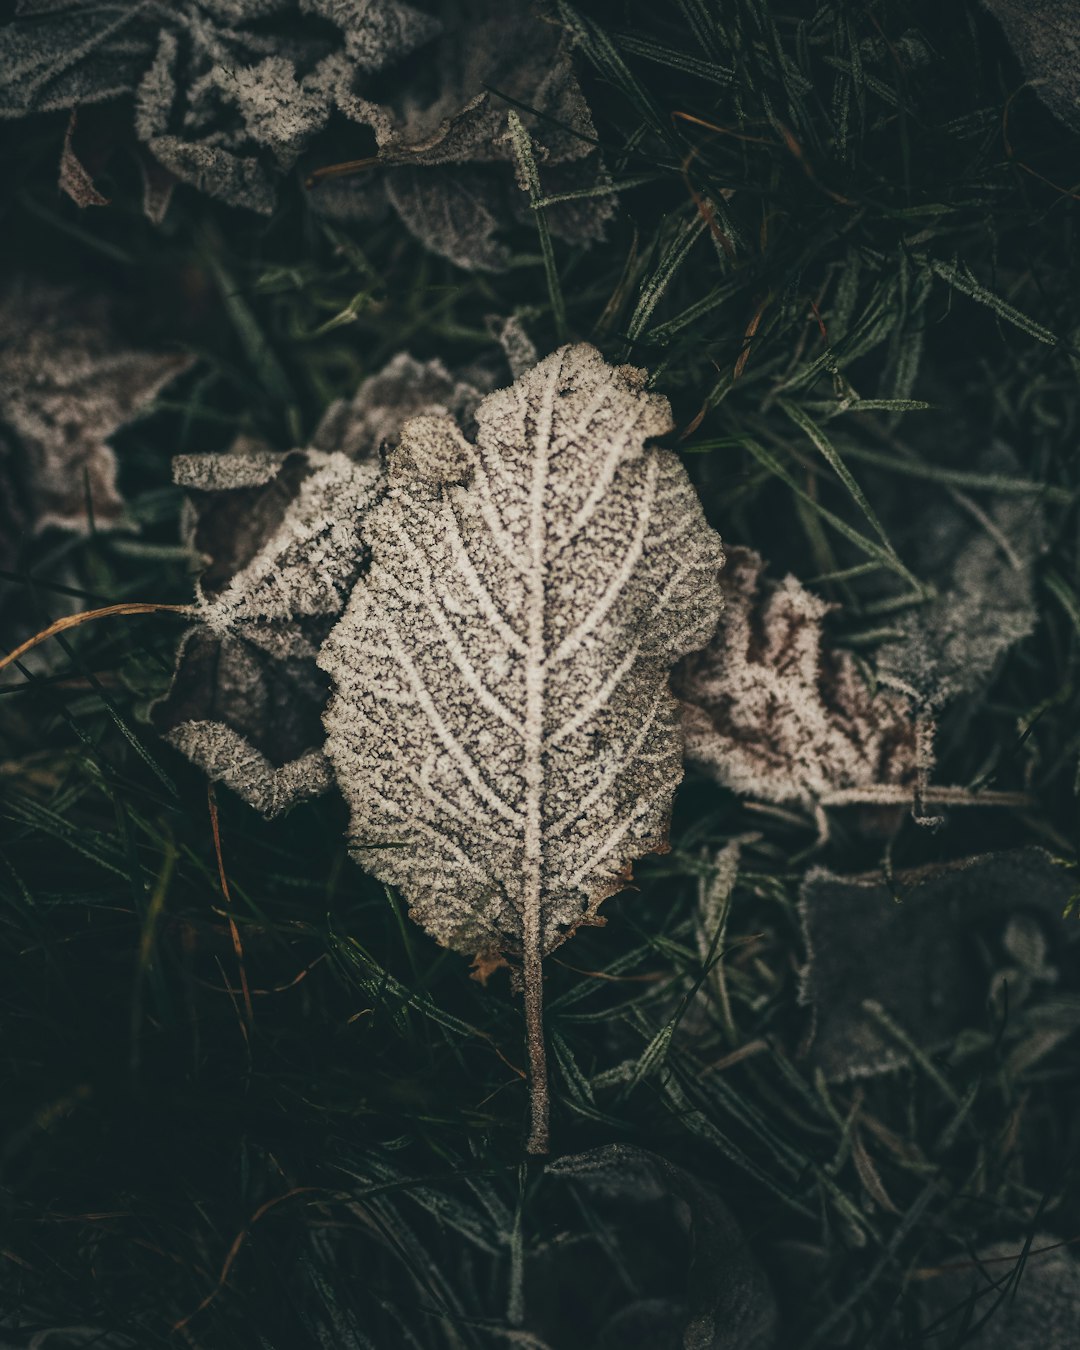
(246, 1102)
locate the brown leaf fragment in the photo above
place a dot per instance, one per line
(75, 178)
(772, 711)
(282, 551)
(501, 712)
(914, 949)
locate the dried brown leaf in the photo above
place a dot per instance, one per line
(772, 711)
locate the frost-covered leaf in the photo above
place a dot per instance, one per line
(281, 539)
(67, 384)
(1016, 1302)
(726, 1302)
(227, 97)
(981, 557)
(501, 725)
(772, 711)
(911, 948)
(449, 209)
(1045, 35)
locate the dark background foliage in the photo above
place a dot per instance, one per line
(247, 1103)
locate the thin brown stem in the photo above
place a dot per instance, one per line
(533, 975)
(73, 621)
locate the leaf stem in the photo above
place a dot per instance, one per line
(533, 975)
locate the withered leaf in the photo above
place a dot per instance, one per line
(726, 1302)
(228, 95)
(501, 724)
(910, 948)
(67, 384)
(1006, 1300)
(281, 537)
(982, 558)
(1045, 35)
(772, 711)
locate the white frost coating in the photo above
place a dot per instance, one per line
(772, 712)
(224, 473)
(501, 725)
(282, 535)
(308, 565)
(226, 757)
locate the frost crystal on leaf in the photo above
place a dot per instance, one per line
(771, 711)
(910, 950)
(229, 94)
(281, 536)
(68, 384)
(501, 723)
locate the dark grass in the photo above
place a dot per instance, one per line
(838, 212)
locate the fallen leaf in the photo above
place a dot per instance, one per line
(1012, 1301)
(772, 711)
(725, 1302)
(910, 948)
(68, 383)
(981, 557)
(501, 724)
(228, 96)
(280, 539)
(1045, 35)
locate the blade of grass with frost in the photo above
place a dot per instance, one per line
(501, 707)
(654, 286)
(605, 56)
(884, 556)
(960, 278)
(832, 456)
(530, 181)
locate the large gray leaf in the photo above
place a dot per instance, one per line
(909, 948)
(501, 714)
